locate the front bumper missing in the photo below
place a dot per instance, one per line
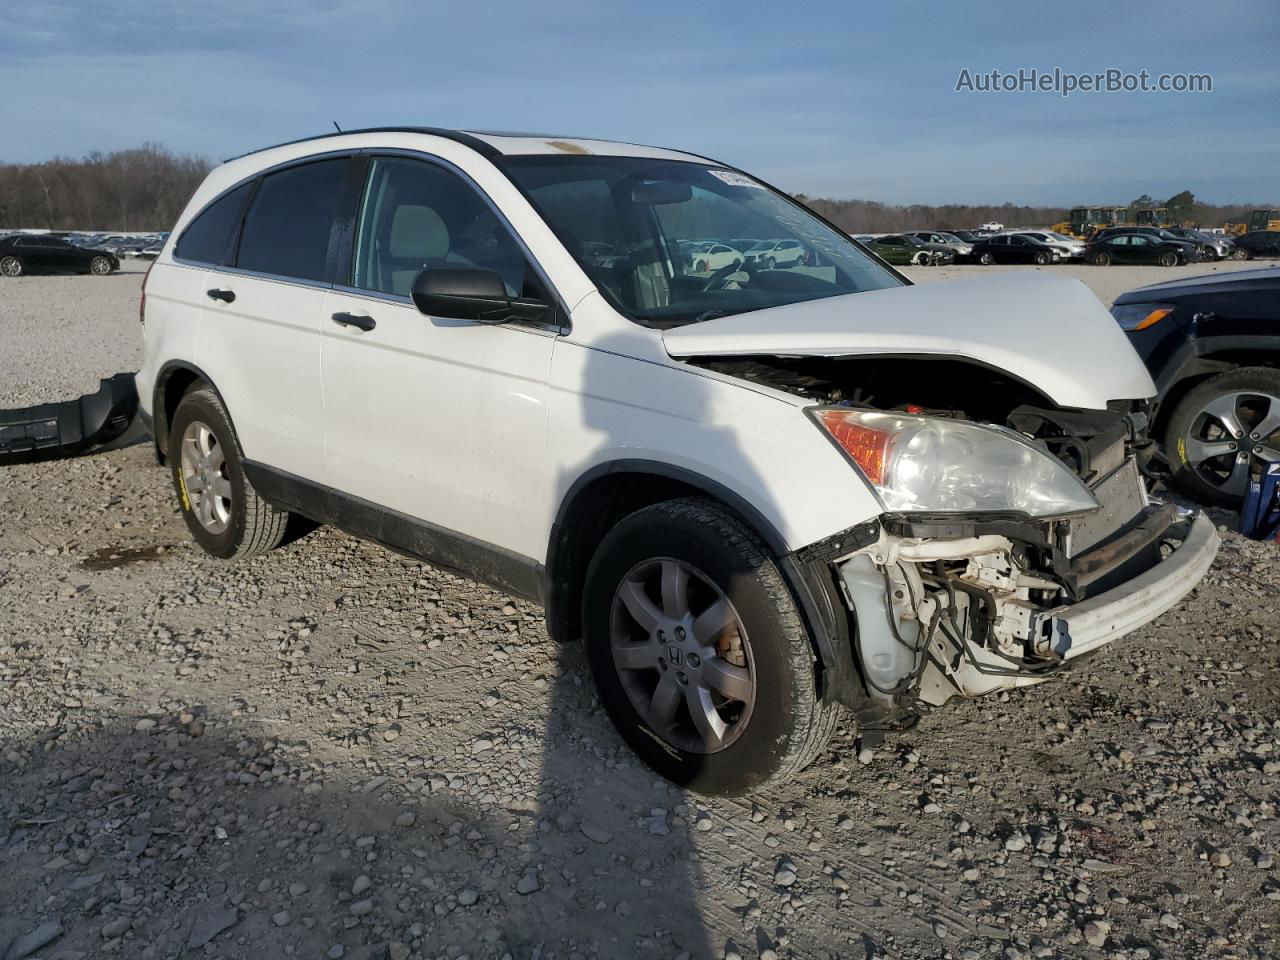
(925, 634)
(66, 429)
(1072, 631)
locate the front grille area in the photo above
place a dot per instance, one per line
(1122, 497)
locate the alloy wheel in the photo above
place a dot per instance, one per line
(11, 267)
(682, 654)
(1227, 434)
(100, 266)
(204, 477)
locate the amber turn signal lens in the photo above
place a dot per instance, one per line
(868, 447)
(1154, 317)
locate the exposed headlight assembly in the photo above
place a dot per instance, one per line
(920, 464)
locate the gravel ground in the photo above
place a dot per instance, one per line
(333, 751)
(89, 324)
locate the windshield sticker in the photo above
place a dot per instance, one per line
(734, 179)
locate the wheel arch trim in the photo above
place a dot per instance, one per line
(159, 415)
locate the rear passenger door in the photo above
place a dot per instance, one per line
(260, 332)
(440, 419)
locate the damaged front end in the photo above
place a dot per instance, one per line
(1016, 536)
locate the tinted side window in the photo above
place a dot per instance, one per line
(208, 239)
(286, 231)
(417, 215)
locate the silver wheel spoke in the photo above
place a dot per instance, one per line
(731, 681)
(705, 717)
(1239, 478)
(712, 622)
(216, 459)
(666, 698)
(1200, 450)
(1224, 411)
(193, 483)
(1270, 421)
(222, 487)
(675, 590)
(639, 605)
(636, 656)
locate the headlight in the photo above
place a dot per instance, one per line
(1139, 316)
(936, 465)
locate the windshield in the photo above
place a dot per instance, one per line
(628, 221)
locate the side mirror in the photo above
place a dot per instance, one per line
(471, 293)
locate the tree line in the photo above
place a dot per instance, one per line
(146, 188)
(869, 216)
(129, 190)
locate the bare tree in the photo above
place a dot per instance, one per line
(140, 189)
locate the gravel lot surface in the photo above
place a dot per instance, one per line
(59, 336)
(333, 752)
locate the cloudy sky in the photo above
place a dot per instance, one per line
(824, 97)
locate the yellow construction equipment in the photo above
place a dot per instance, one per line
(1264, 220)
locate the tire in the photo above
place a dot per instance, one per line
(770, 263)
(986, 259)
(920, 259)
(100, 266)
(700, 267)
(11, 267)
(770, 736)
(1239, 253)
(235, 526)
(1169, 259)
(1043, 258)
(1102, 259)
(1192, 427)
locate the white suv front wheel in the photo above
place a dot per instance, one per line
(698, 652)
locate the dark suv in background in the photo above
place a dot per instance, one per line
(1212, 344)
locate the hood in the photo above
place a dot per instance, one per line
(1049, 332)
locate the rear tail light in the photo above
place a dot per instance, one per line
(142, 297)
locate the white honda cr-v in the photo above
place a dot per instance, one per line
(763, 497)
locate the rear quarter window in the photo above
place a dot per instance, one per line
(210, 236)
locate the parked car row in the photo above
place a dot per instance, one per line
(1112, 245)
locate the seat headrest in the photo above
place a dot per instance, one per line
(418, 233)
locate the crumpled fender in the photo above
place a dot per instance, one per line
(52, 430)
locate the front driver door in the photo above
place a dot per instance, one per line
(439, 419)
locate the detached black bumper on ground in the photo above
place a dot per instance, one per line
(66, 429)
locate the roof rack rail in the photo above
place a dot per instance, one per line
(475, 143)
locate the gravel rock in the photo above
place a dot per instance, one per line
(29, 943)
(527, 884)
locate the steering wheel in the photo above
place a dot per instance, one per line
(721, 277)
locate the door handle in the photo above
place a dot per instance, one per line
(360, 320)
(226, 296)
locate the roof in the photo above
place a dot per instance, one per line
(494, 144)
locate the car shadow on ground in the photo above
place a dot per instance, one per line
(186, 830)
